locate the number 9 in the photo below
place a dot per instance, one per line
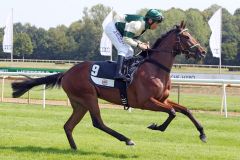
(95, 69)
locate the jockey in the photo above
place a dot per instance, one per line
(124, 32)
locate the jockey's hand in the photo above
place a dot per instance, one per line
(143, 46)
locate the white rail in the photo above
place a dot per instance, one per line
(223, 82)
(219, 81)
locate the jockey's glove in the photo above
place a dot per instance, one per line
(143, 46)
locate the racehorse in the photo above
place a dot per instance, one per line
(149, 89)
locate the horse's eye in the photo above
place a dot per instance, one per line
(186, 37)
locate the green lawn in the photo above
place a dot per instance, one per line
(29, 132)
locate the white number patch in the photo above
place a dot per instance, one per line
(95, 69)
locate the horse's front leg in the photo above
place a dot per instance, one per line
(185, 111)
(154, 105)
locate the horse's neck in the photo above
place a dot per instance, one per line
(165, 55)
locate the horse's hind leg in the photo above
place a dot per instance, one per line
(75, 118)
(98, 123)
(185, 111)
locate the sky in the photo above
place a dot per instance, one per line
(51, 13)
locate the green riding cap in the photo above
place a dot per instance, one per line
(155, 15)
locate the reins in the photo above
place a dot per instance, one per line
(152, 61)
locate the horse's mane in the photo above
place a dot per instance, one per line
(159, 40)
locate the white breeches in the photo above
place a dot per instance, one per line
(117, 40)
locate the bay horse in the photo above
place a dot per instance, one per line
(149, 89)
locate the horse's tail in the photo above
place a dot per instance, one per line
(19, 88)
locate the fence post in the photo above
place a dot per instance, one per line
(178, 94)
(68, 101)
(44, 96)
(224, 100)
(2, 94)
(28, 97)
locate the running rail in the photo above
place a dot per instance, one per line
(223, 82)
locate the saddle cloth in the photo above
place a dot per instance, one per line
(102, 74)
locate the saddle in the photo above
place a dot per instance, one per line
(102, 74)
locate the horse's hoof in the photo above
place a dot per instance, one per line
(161, 128)
(74, 148)
(203, 138)
(153, 126)
(130, 143)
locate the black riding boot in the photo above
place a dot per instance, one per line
(119, 74)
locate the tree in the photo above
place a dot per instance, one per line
(229, 53)
(238, 54)
(1, 39)
(237, 23)
(230, 35)
(81, 40)
(40, 38)
(22, 45)
(198, 26)
(59, 42)
(172, 18)
(74, 30)
(91, 32)
(210, 11)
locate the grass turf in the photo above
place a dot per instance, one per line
(29, 132)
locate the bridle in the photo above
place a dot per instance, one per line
(178, 49)
(179, 46)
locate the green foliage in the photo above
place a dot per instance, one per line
(22, 44)
(91, 32)
(60, 42)
(229, 52)
(198, 25)
(81, 39)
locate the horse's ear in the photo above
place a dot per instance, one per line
(184, 25)
(181, 24)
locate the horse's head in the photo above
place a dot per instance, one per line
(187, 44)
